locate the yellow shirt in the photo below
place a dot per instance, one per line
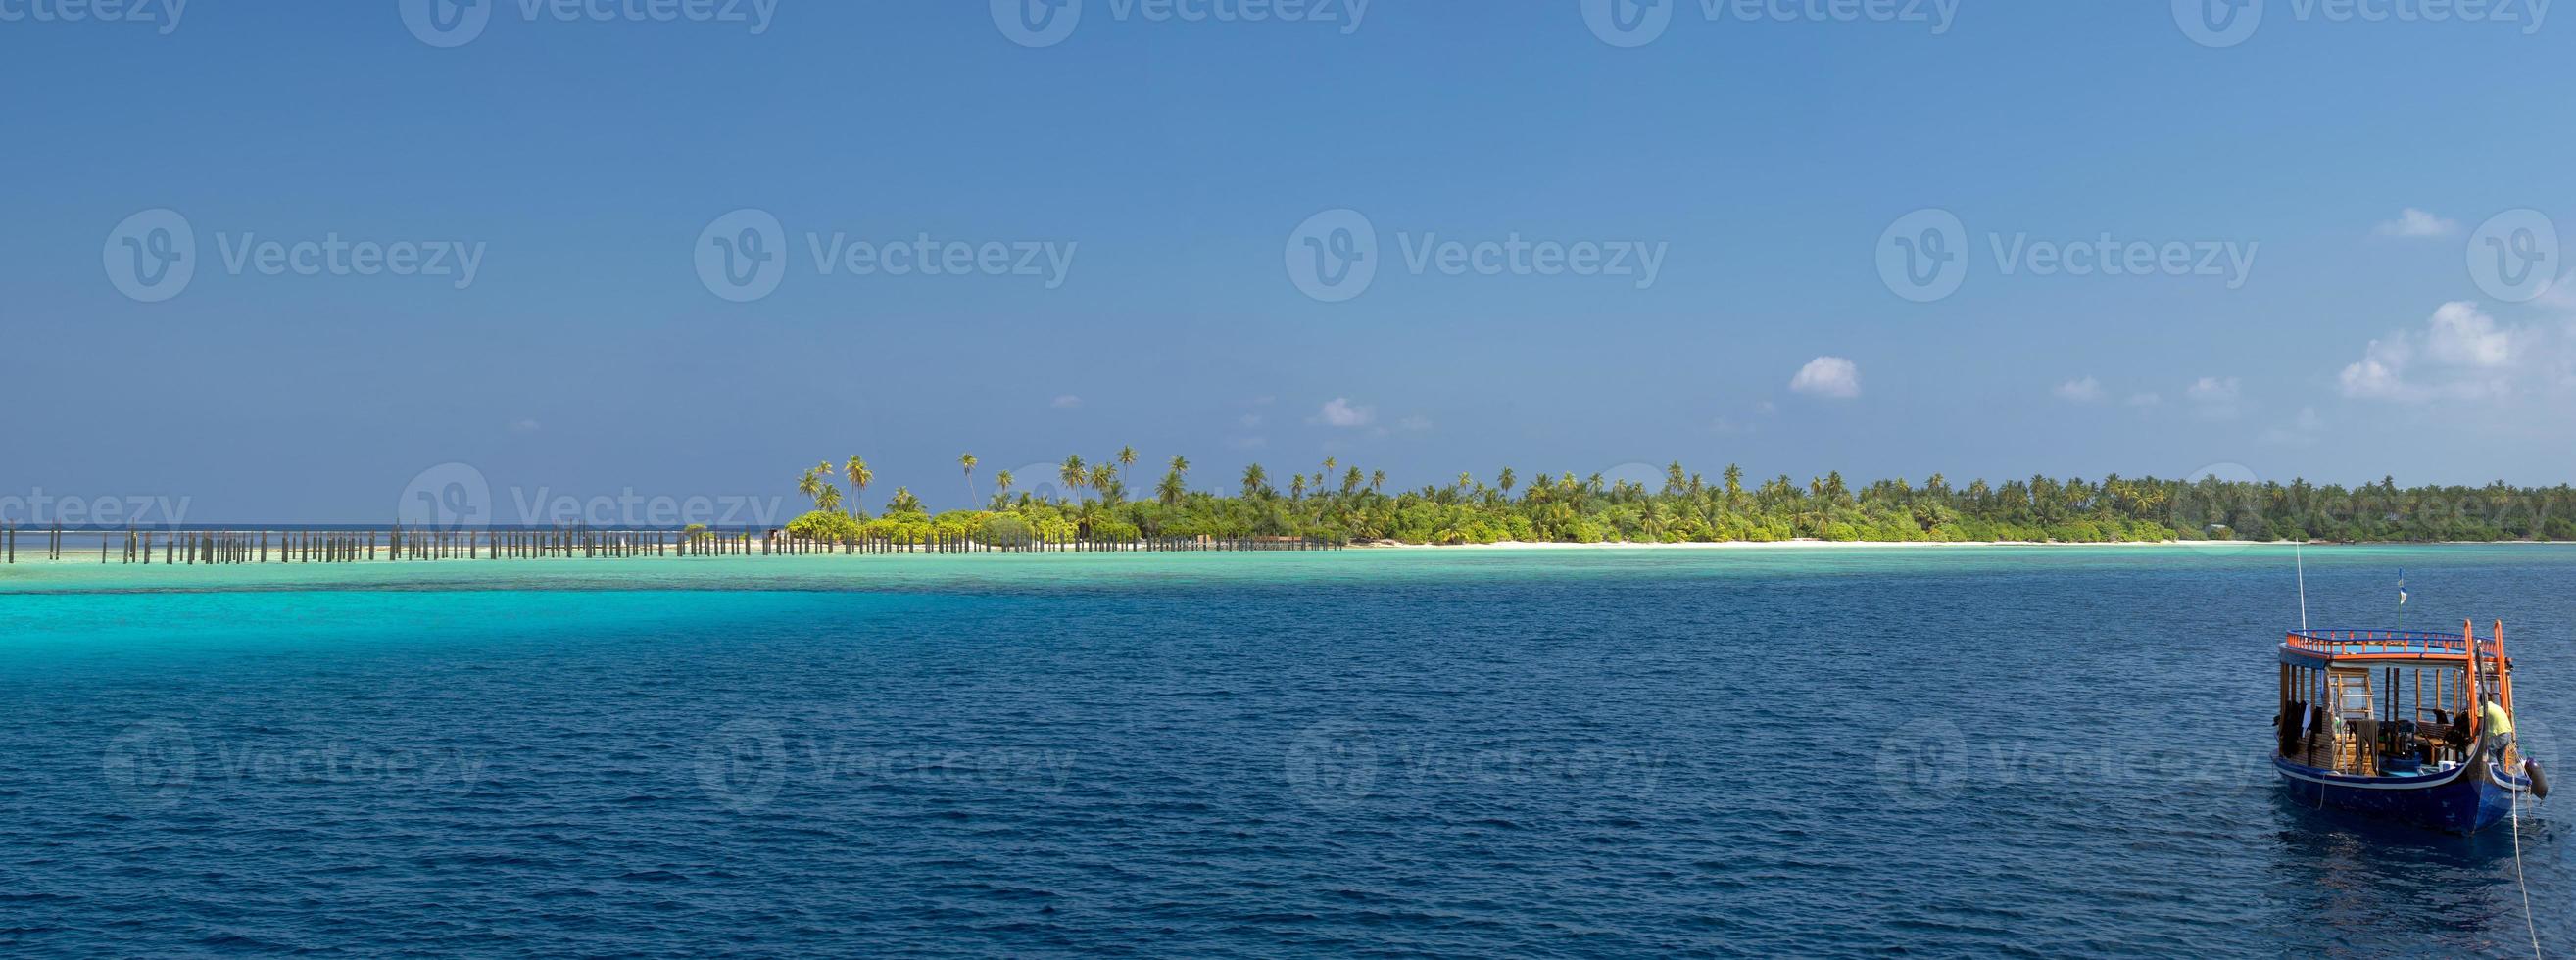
(2498, 722)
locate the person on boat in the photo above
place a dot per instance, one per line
(2498, 726)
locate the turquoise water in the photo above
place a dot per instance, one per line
(1561, 752)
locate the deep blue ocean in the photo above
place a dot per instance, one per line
(1937, 752)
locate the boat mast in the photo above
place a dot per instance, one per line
(2473, 713)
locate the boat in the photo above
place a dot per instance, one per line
(2387, 723)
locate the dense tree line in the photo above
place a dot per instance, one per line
(1341, 503)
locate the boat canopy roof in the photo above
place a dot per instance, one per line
(2376, 646)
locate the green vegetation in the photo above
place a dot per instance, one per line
(1684, 507)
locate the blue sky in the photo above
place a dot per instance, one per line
(1168, 165)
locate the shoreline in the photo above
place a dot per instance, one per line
(1911, 544)
(1839, 544)
(1789, 544)
(381, 554)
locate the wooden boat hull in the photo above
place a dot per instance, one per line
(2467, 799)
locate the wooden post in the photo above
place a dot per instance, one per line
(2504, 670)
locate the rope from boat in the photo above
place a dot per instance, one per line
(2515, 797)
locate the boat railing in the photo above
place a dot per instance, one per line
(2356, 642)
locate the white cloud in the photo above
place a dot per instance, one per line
(2463, 336)
(2376, 373)
(2084, 390)
(2412, 222)
(1339, 412)
(1067, 402)
(525, 425)
(2145, 399)
(2217, 398)
(2460, 354)
(1414, 424)
(1828, 377)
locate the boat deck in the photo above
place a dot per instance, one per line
(2377, 645)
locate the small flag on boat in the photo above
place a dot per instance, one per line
(2401, 587)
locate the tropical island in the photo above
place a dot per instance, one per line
(1339, 503)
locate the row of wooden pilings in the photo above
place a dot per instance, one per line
(950, 543)
(192, 547)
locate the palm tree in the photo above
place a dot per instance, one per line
(810, 486)
(1377, 481)
(1104, 480)
(904, 502)
(1175, 483)
(1126, 458)
(828, 500)
(1255, 480)
(1001, 487)
(1296, 486)
(1507, 480)
(967, 461)
(857, 471)
(1072, 474)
